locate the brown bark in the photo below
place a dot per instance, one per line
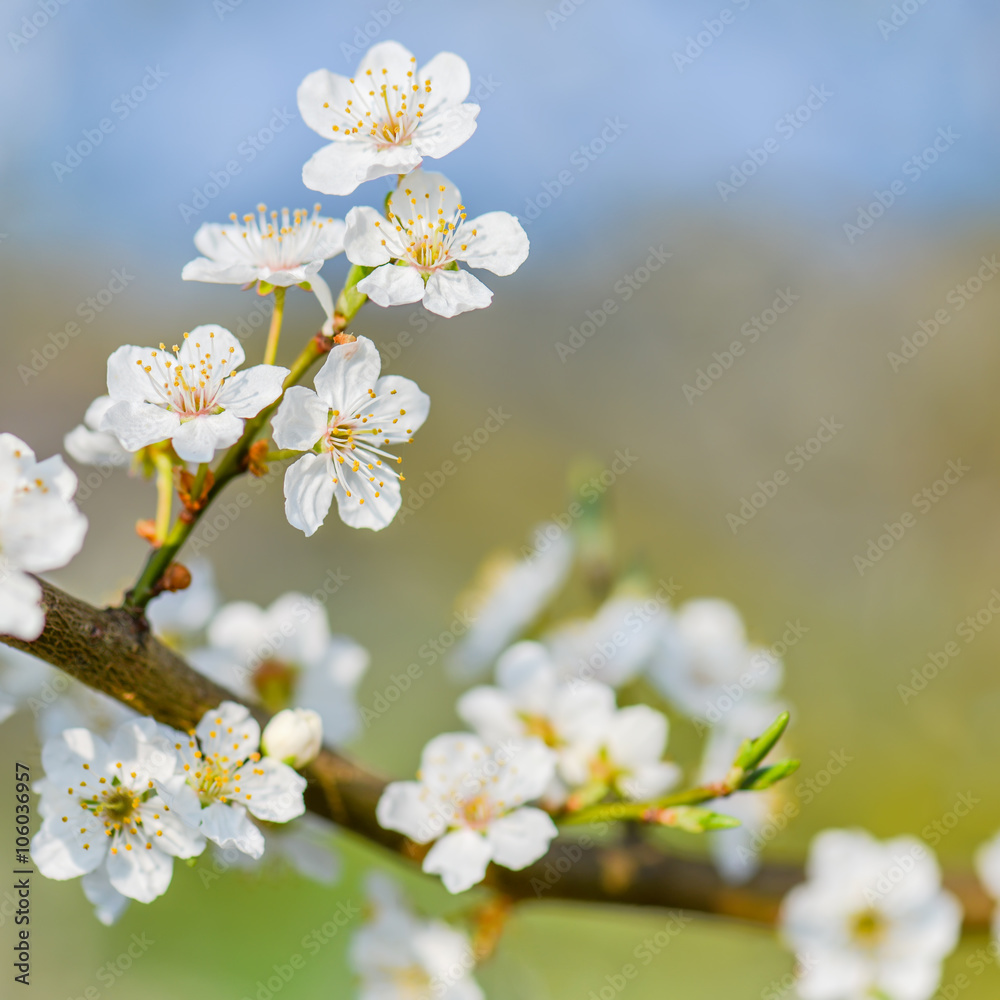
(113, 651)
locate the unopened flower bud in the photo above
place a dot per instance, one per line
(293, 736)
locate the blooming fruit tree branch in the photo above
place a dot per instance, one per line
(206, 729)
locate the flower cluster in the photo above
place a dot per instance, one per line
(118, 812)
(871, 920)
(398, 955)
(40, 529)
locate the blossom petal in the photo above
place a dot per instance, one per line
(301, 419)
(443, 132)
(247, 392)
(460, 858)
(399, 409)
(213, 340)
(127, 381)
(198, 439)
(42, 532)
(203, 269)
(393, 285)
(347, 375)
(637, 735)
(273, 791)
(212, 241)
(449, 78)
(499, 245)
(138, 424)
(230, 731)
(229, 826)
(21, 612)
(323, 294)
(450, 293)
(61, 855)
(521, 837)
(340, 167)
(370, 239)
(364, 504)
(407, 808)
(309, 492)
(138, 873)
(109, 904)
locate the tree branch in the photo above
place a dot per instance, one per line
(113, 651)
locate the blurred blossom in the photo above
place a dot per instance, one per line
(508, 596)
(398, 955)
(284, 657)
(89, 445)
(705, 665)
(614, 645)
(871, 919)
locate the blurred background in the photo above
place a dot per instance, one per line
(785, 151)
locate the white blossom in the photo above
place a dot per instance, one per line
(294, 735)
(285, 657)
(705, 664)
(871, 919)
(40, 529)
(224, 769)
(417, 245)
(508, 597)
(398, 955)
(101, 808)
(385, 118)
(191, 395)
(614, 645)
(530, 701)
(344, 427)
(470, 800)
(89, 445)
(279, 249)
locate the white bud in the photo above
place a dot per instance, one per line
(294, 736)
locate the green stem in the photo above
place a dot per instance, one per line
(164, 494)
(199, 481)
(612, 811)
(274, 333)
(282, 454)
(233, 463)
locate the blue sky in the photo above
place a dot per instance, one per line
(226, 70)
